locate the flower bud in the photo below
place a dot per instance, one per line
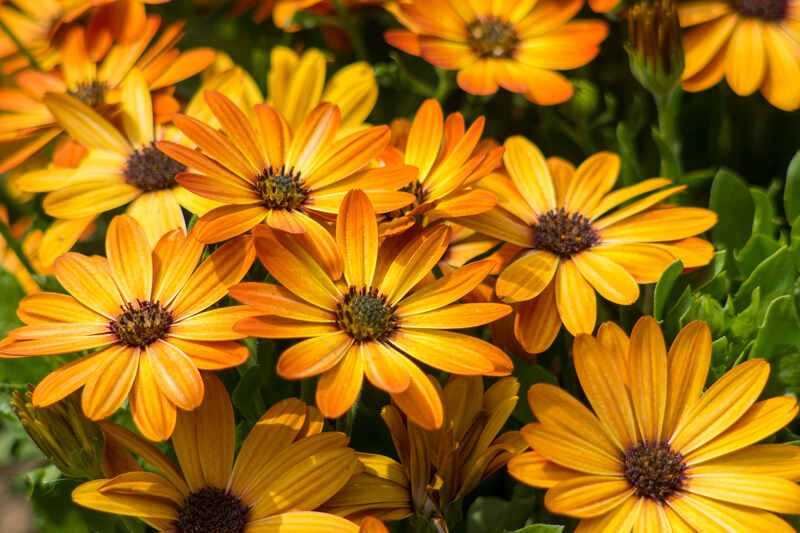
(654, 45)
(62, 432)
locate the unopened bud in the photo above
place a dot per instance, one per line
(61, 431)
(655, 51)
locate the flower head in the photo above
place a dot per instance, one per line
(436, 467)
(575, 239)
(658, 454)
(654, 45)
(752, 43)
(373, 319)
(449, 158)
(263, 171)
(96, 82)
(63, 434)
(286, 468)
(144, 307)
(517, 46)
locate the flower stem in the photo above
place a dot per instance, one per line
(350, 28)
(445, 85)
(11, 35)
(5, 231)
(668, 106)
(346, 422)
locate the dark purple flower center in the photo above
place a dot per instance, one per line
(762, 9)
(564, 234)
(492, 37)
(365, 314)
(654, 470)
(150, 169)
(281, 188)
(141, 324)
(212, 510)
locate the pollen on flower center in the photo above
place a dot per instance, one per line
(91, 94)
(150, 169)
(365, 315)
(141, 324)
(212, 510)
(763, 9)
(281, 188)
(564, 234)
(492, 37)
(654, 470)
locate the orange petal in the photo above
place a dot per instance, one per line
(425, 137)
(535, 470)
(478, 78)
(217, 146)
(501, 224)
(273, 299)
(644, 262)
(174, 259)
(339, 387)
(175, 375)
(457, 316)
(446, 350)
(278, 327)
(109, 385)
(528, 169)
(313, 356)
(660, 225)
(236, 125)
(591, 181)
(129, 257)
(587, 496)
(575, 299)
(357, 237)
(648, 378)
(689, 360)
(420, 401)
(527, 277)
(571, 451)
(85, 125)
(537, 321)
(228, 221)
(212, 355)
(445, 290)
(62, 382)
(214, 325)
(383, 367)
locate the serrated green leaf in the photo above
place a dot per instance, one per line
(489, 514)
(758, 248)
(775, 276)
(664, 287)
(791, 194)
(733, 203)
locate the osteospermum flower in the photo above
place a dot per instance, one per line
(517, 46)
(285, 469)
(144, 307)
(95, 82)
(574, 242)
(448, 160)
(372, 320)
(441, 466)
(121, 167)
(752, 43)
(296, 85)
(658, 454)
(262, 171)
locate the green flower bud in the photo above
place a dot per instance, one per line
(654, 47)
(62, 432)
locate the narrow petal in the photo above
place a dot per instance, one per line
(313, 356)
(214, 325)
(613, 282)
(212, 355)
(278, 327)
(644, 262)
(175, 375)
(295, 269)
(777, 460)
(165, 203)
(445, 290)
(222, 269)
(446, 350)
(338, 388)
(501, 224)
(137, 109)
(605, 390)
(87, 198)
(236, 125)
(425, 137)
(527, 277)
(575, 299)
(318, 241)
(457, 316)
(746, 61)
(384, 368)
(62, 382)
(537, 321)
(88, 495)
(619, 520)
(85, 125)
(216, 433)
(648, 378)
(661, 225)
(721, 405)
(589, 496)
(420, 401)
(571, 451)
(128, 252)
(478, 78)
(174, 259)
(110, 384)
(302, 522)
(689, 360)
(528, 169)
(592, 180)
(228, 221)
(357, 237)
(271, 299)
(535, 470)
(153, 413)
(707, 515)
(216, 146)
(313, 136)
(753, 490)
(415, 260)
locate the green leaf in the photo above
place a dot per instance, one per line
(791, 194)
(539, 528)
(489, 514)
(529, 374)
(732, 201)
(627, 151)
(664, 287)
(758, 248)
(12, 293)
(775, 277)
(764, 218)
(778, 340)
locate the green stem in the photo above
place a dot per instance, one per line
(668, 106)
(5, 231)
(350, 29)
(445, 85)
(345, 423)
(32, 60)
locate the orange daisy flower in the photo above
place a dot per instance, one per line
(121, 167)
(262, 171)
(574, 243)
(25, 116)
(372, 320)
(287, 467)
(515, 45)
(658, 454)
(144, 306)
(448, 160)
(752, 43)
